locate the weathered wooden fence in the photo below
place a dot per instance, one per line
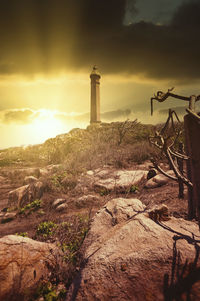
(192, 147)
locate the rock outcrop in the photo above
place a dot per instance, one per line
(128, 256)
(26, 194)
(23, 262)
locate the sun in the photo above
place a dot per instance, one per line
(46, 125)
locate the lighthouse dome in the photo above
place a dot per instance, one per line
(95, 72)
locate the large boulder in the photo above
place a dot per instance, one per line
(26, 194)
(119, 180)
(23, 262)
(129, 256)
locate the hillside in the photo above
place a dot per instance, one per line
(51, 192)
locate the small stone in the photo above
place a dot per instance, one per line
(62, 207)
(58, 202)
(90, 173)
(86, 200)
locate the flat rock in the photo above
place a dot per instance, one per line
(128, 256)
(121, 179)
(86, 200)
(22, 264)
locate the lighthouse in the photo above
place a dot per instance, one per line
(95, 96)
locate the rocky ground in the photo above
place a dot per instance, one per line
(93, 189)
(103, 194)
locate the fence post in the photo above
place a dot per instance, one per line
(192, 137)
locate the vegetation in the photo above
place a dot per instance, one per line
(33, 206)
(45, 229)
(69, 237)
(79, 149)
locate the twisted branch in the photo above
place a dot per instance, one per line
(161, 96)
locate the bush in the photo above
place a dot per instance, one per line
(45, 229)
(33, 206)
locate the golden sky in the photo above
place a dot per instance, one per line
(48, 48)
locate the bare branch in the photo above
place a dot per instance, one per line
(163, 172)
(176, 171)
(178, 155)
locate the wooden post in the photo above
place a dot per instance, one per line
(192, 135)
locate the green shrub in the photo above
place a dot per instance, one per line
(45, 229)
(48, 292)
(33, 206)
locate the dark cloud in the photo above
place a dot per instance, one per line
(48, 36)
(19, 116)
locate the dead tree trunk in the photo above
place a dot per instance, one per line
(192, 136)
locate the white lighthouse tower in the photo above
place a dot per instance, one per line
(95, 96)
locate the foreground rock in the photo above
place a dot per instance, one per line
(26, 194)
(23, 262)
(128, 256)
(119, 180)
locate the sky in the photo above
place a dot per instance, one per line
(48, 49)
